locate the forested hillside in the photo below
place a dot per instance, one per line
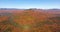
(29, 20)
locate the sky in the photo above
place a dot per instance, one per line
(26, 4)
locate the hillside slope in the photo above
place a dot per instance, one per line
(29, 20)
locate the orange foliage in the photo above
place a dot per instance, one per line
(30, 21)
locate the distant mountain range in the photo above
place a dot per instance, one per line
(8, 9)
(20, 9)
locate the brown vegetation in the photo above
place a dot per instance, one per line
(29, 21)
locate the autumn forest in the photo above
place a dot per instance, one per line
(29, 20)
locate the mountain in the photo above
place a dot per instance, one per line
(8, 9)
(29, 20)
